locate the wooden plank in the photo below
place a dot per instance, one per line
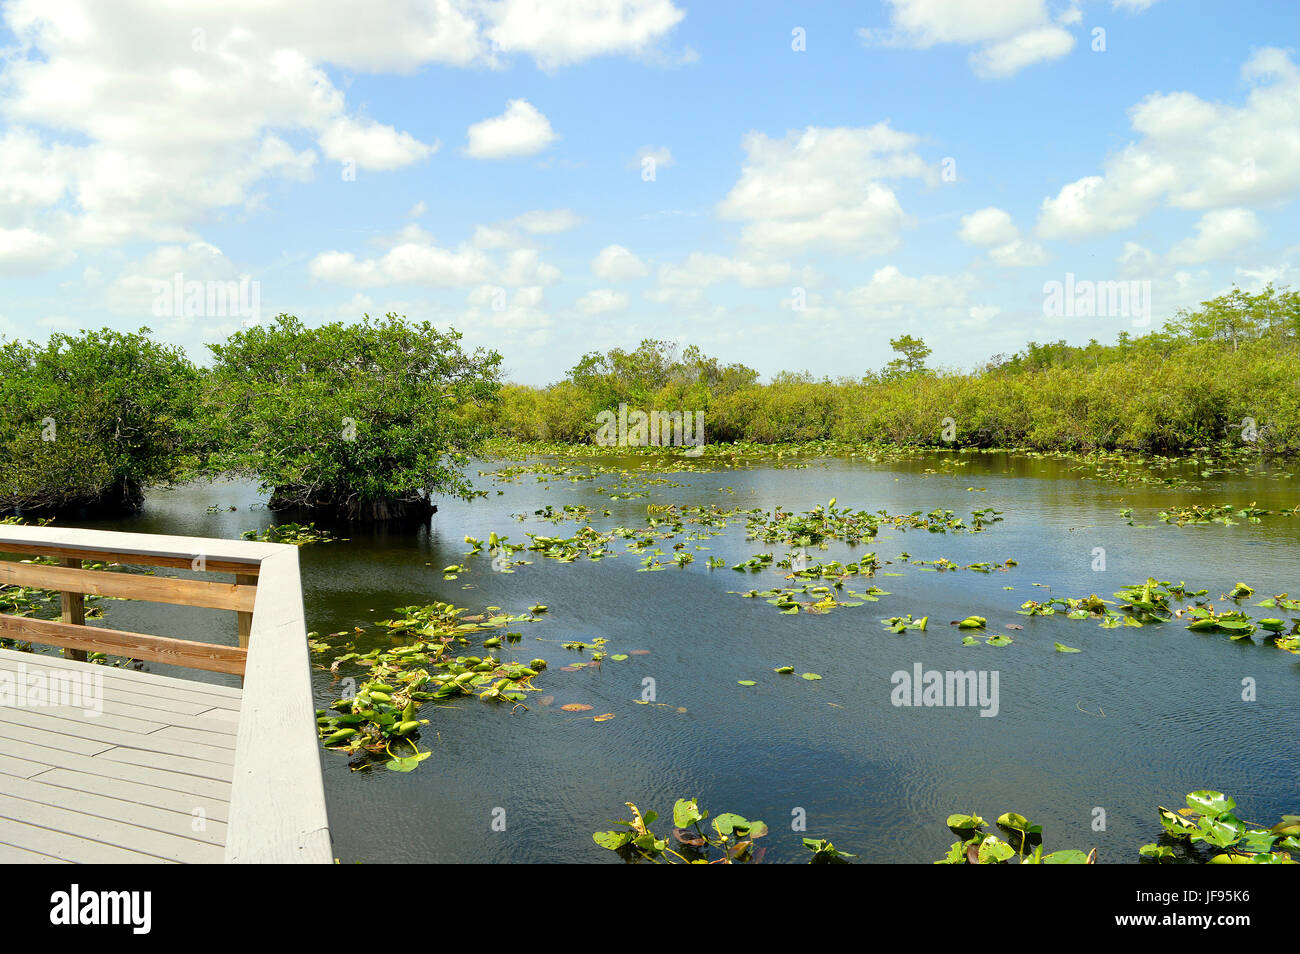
(106, 831)
(27, 550)
(186, 736)
(73, 604)
(244, 624)
(20, 768)
(122, 693)
(216, 809)
(277, 802)
(146, 682)
(208, 745)
(64, 742)
(98, 765)
(184, 824)
(199, 767)
(68, 847)
(9, 855)
(121, 709)
(131, 586)
(177, 652)
(213, 555)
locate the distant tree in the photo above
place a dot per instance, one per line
(88, 421)
(363, 421)
(913, 352)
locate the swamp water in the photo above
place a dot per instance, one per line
(1138, 718)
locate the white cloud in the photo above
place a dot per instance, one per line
(701, 269)
(525, 267)
(1219, 234)
(1024, 49)
(560, 32)
(23, 251)
(1193, 154)
(615, 263)
(418, 209)
(372, 145)
(407, 263)
(520, 131)
(821, 187)
(993, 227)
(988, 226)
(143, 123)
(1018, 253)
(891, 294)
(602, 300)
(1010, 34)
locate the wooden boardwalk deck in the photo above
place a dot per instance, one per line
(107, 765)
(138, 769)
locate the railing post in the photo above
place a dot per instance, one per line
(245, 623)
(74, 608)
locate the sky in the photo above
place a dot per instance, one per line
(786, 185)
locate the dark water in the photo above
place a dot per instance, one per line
(1136, 720)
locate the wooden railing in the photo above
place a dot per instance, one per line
(277, 809)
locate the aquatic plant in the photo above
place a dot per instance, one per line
(1207, 831)
(1023, 844)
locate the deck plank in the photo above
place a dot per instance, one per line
(186, 824)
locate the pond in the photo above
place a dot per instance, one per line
(1137, 718)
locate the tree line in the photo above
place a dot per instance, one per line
(372, 420)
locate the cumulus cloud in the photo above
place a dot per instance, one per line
(142, 127)
(891, 294)
(561, 32)
(993, 229)
(408, 263)
(1009, 34)
(1219, 235)
(520, 131)
(1191, 153)
(823, 187)
(615, 263)
(601, 301)
(701, 269)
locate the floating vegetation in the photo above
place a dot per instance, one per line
(1226, 514)
(1207, 832)
(384, 709)
(728, 838)
(295, 533)
(1023, 844)
(823, 601)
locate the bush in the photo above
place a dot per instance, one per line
(363, 421)
(90, 420)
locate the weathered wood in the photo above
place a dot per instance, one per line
(130, 559)
(131, 586)
(244, 627)
(73, 604)
(146, 549)
(177, 652)
(277, 802)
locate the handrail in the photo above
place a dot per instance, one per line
(277, 801)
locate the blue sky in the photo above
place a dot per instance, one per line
(920, 166)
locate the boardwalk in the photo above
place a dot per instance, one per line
(142, 776)
(101, 764)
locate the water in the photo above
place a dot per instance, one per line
(1137, 719)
